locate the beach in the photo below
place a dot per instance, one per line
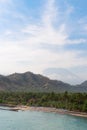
(43, 109)
(49, 109)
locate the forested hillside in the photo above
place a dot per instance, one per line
(69, 101)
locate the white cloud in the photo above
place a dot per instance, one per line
(46, 32)
(25, 54)
(17, 57)
(77, 41)
(50, 13)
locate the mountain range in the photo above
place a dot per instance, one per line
(30, 82)
(66, 75)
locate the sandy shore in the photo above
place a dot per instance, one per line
(43, 109)
(48, 109)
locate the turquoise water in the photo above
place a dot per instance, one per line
(32, 120)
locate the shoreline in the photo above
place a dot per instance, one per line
(42, 109)
(49, 109)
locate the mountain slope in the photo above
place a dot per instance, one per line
(60, 73)
(36, 83)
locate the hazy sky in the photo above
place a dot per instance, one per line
(40, 35)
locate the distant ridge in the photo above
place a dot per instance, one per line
(30, 82)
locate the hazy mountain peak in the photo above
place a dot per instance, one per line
(84, 83)
(63, 74)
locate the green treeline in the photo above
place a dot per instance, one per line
(69, 101)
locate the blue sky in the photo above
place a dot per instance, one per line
(42, 36)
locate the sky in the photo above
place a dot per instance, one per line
(48, 37)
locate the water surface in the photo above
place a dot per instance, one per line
(33, 120)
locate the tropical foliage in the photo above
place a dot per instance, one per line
(69, 101)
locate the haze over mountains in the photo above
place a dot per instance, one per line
(66, 75)
(31, 82)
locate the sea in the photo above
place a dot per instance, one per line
(34, 120)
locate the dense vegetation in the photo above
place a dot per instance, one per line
(70, 101)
